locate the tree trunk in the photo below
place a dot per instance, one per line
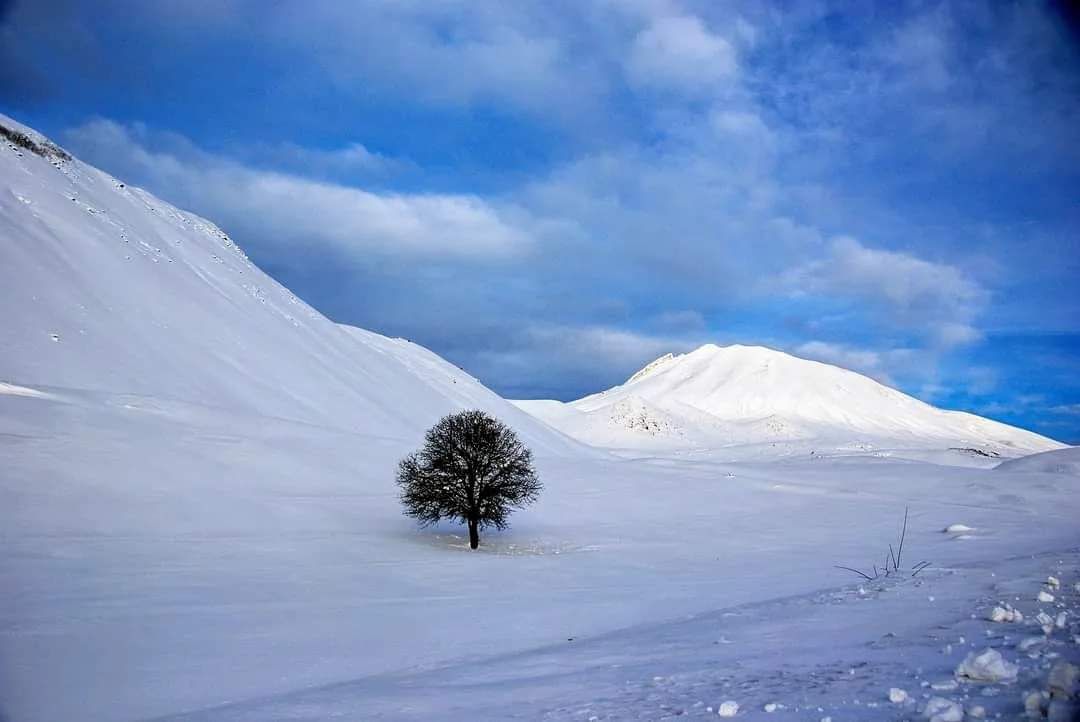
(474, 534)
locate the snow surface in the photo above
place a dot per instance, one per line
(199, 521)
(723, 397)
(1060, 461)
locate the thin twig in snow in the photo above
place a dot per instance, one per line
(865, 576)
(903, 533)
(919, 567)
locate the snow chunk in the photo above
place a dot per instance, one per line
(1053, 582)
(977, 712)
(1063, 680)
(1030, 644)
(939, 709)
(987, 666)
(957, 529)
(728, 709)
(1045, 597)
(1034, 702)
(771, 707)
(1005, 614)
(897, 695)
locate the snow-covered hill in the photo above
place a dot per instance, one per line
(109, 289)
(750, 395)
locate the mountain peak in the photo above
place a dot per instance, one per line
(720, 395)
(711, 352)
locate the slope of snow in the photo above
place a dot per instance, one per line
(115, 290)
(744, 395)
(1060, 461)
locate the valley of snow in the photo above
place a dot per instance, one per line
(199, 520)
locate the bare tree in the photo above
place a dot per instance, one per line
(473, 468)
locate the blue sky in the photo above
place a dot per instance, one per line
(551, 194)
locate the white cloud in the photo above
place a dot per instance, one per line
(743, 124)
(610, 347)
(354, 159)
(279, 208)
(591, 357)
(904, 280)
(979, 380)
(950, 335)
(841, 355)
(920, 48)
(879, 365)
(1024, 404)
(511, 55)
(685, 320)
(908, 290)
(680, 53)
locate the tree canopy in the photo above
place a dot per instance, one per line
(472, 468)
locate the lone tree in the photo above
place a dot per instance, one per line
(472, 468)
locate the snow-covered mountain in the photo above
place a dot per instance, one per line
(111, 290)
(744, 395)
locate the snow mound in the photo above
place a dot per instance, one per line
(1058, 461)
